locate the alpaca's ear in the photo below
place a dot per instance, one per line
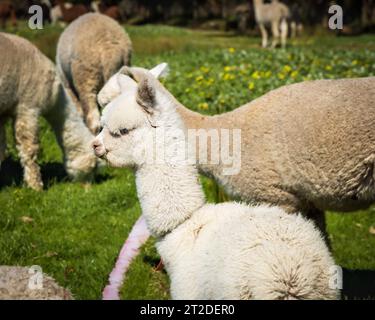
(146, 95)
(125, 82)
(160, 71)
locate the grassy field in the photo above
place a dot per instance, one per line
(74, 231)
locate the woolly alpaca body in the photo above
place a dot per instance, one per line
(15, 281)
(30, 87)
(227, 251)
(274, 14)
(89, 52)
(232, 251)
(306, 147)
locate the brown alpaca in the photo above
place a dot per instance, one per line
(70, 14)
(7, 12)
(112, 11)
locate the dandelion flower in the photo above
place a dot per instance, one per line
(287, 69)
(256, 75)
(294, 74)
(203, 106)
(205, 69)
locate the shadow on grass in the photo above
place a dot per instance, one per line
(152, 261)
(11, 174)
(358, 284)
(102, 177)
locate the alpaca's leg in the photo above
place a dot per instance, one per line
(26, 133)
(263, 31)
(293, 28)
(275, 34)
(299, 29)
(2, 140)
(87, 83)
(284, 32)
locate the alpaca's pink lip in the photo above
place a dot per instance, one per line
(99, 149)
(100, 154)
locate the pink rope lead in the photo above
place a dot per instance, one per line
(137, 237)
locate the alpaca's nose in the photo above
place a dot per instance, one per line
(98, 147)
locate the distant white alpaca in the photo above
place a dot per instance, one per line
(274, 14)
(30, 87)
(226, 251)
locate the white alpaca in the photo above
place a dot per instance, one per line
(30, 87)
(226, 251)
(274, 14)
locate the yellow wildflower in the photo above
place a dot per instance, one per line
(228, 76)
(251, 85)
(205, 69)
(256, 75)
(210, 81)
(287, 69)
(294, 74)
(203, 106)
(232, 50)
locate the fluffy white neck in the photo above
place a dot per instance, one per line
(169, 192)
(168, 196)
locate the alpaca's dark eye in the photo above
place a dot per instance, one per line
(124, 132)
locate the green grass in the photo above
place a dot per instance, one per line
(76, 231)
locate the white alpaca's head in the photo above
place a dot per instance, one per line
(130, 122)
(114, 86)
